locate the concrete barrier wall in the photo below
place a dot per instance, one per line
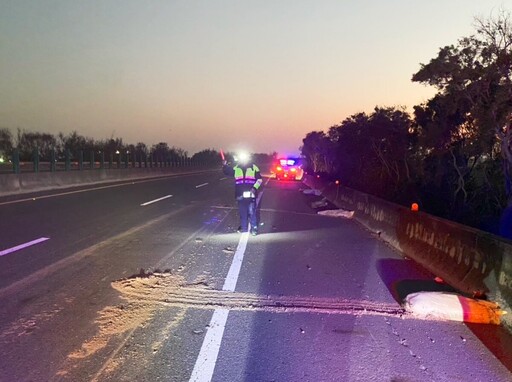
(475, 262)
(30, 182)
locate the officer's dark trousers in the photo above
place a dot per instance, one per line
(247, 211)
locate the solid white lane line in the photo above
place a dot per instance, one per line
(156, 200)
(134, 181)
(223, 178)
(273, 210)
(201, 185)
(21, 246)
(236, 264)
(205, 363)
(207, 358)
(64, 193)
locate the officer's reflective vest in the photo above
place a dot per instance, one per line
(249, 178)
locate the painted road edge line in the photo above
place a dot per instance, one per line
(207, 358)
(21, 246)
(201, 185)
(156, 200)
(134, 181)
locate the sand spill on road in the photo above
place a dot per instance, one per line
(146, 293)
(172, 290)
(114, 320)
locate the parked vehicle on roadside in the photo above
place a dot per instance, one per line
(288, 169)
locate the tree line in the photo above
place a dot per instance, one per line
(29, 142)
(453, 155)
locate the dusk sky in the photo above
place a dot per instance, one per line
(217, 74)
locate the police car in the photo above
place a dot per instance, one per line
(288, 169)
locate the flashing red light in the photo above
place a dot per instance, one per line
(293, 169)
(415, 207)
(279, 168)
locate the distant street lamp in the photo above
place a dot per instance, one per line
(118, 159)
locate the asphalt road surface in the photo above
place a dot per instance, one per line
(148, 281)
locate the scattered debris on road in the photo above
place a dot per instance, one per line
(320, 203)
(337, 213)
(311, 191)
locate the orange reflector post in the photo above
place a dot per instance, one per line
(415, 207)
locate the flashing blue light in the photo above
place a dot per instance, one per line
(287, 162)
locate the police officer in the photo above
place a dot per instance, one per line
(247, 183)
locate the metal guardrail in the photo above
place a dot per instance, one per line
(94, 161)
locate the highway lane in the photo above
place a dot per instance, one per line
(314, 299)
(113, 237)
(81, 218)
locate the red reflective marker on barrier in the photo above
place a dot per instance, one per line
(415, 207)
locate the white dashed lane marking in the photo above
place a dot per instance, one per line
(22, 246)
(156, 200)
